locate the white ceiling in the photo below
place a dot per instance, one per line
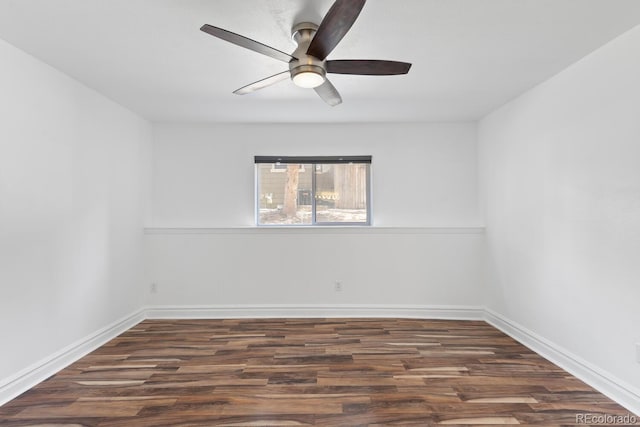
(469, 56)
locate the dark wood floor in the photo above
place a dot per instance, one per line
(325, 372)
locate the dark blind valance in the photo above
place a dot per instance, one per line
(313, 159)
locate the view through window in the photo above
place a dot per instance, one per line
(313, 190)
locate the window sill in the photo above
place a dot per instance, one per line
(308, 229)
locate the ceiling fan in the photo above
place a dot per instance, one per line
(308, 64)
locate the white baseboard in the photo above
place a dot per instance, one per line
(22, 381)
(612, 387)
(315, 311)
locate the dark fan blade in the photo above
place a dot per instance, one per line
(246, 43)
(261, 84)
(334, 26)
(329, 93)
(367, 67)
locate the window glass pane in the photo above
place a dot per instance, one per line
(341, 193)
(284, 193)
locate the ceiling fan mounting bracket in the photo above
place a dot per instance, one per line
(303, 34)
(303, 31)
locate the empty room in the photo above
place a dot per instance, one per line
(319, 212)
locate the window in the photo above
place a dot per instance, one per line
(313, 190)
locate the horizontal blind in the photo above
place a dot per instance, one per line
(312, 159)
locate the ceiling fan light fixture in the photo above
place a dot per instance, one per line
(308, 76)
(308, 80)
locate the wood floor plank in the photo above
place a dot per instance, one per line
(308, 372)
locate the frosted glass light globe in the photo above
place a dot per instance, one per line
(308, 79)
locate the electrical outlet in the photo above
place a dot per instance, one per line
(638, 352)
(153, 288)
(337, 286)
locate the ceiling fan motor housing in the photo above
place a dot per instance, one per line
(306, 65)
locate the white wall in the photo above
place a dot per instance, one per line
(299, 267)
(72, 166)
(422, 176)
(560, 169)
